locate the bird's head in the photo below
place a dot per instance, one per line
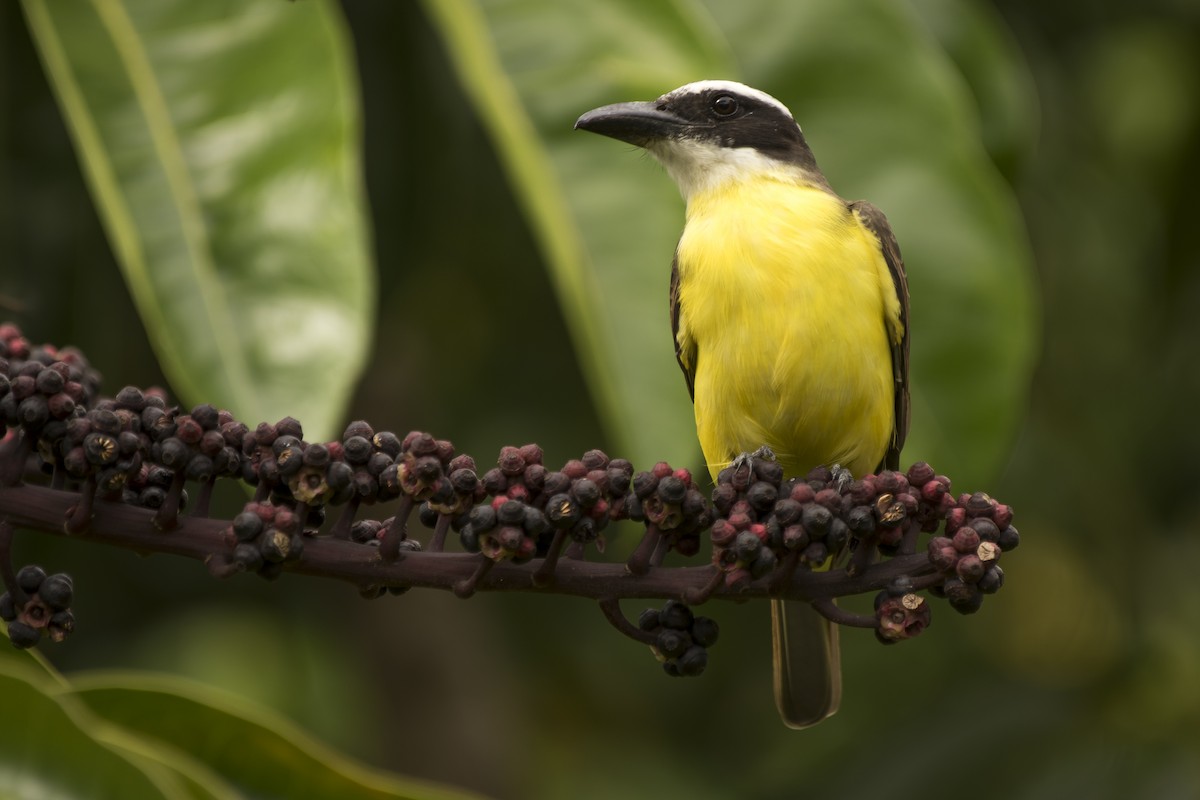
(708, 132)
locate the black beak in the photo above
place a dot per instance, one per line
(636, 123)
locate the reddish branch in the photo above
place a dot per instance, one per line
(122, 525)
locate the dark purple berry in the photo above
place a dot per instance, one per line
(705, 631)
(56, 591)
(672, 643)
(23, 636)
(30, 578)
(676, 615)
(648, 620)
(693, 661)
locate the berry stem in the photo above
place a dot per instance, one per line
(912, 534)
(785, 570)
(864, 555)
(660, 551)
(612, 612)
(203, 498)
(6, 568)
(221, 565)
(466, 587)
(341, 529)
(840, 616)
(438, 543)
(167, 516)
(544, 575)
(389, 546)
(13, 455)
(694, 596)
(639, 562)
(79, 516)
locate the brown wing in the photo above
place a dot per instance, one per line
(877, 223)
(684, 358)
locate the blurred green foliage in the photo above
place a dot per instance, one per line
(230, 193)
(1077, 680)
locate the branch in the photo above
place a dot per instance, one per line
(42, 509)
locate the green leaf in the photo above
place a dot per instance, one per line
(976, 38)
(254, 751)
(220, 143)
(889, 118)
(47, 751)
(531, 68)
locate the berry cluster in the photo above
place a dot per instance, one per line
(372, 531)
(977, 530)
(453, 498)
(264, 537)
(422, 466)
(763, 520)
(102, 445)
(41, 384)
(39, 603)
(667, 499)
(371, 459)
(139, 449)
(533, 511)
(681, 639)
(900, 613)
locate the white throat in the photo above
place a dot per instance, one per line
(698, 166)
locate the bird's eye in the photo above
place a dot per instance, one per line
(724, 105)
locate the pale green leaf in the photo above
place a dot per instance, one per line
(220, 143)
(256, 752)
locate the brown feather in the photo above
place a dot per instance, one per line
(877, 223)
(688, 357)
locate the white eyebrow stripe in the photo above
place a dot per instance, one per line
(733, 87)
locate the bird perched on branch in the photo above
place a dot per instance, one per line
(789, 308)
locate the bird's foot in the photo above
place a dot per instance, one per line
(745, 461)
(841, 477)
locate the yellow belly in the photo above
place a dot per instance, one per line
(788, 302)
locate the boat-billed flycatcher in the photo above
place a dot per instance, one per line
(789, 307)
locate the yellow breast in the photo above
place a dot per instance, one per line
(788, 302)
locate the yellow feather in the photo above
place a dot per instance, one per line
(790, 307)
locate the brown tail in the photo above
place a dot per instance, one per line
(807, 661)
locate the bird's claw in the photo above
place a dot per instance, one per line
(841, 477)
(745, 461)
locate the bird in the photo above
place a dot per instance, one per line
(789, 312)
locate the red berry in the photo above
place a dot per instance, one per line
(802, 493)
(966, 540)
